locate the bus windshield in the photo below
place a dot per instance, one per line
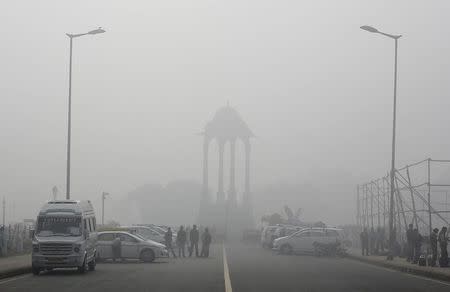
(58, 226)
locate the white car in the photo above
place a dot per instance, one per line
(133, 246)
(303, 240)
(146, 232)
(285, 230)
(156, 229)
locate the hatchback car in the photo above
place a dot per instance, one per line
(304, 240)
(133, 246)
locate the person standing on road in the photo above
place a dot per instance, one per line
(443, 261)
(364, 242)
(372, 240)
(433, 244)
(206, 241)
(410, 242)
(378, 241)
(194, 237)
(382, 239)
(168, 242)
(181, 241)
(417, 240)
(117, 248)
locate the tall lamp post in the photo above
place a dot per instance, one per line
(69, 116)
(392, 173)
(103, 206)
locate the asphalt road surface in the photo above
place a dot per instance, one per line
(246, 268)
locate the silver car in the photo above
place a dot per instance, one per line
(133, 246)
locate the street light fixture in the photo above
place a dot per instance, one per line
(369, 28)
(97, 31)
(392, 174)
(69, 116)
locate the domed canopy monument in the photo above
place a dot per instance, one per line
(226, 128)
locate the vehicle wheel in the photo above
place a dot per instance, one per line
(84, 268)
(147, 256)
(92, 264)
(286, 249)
(36, 271)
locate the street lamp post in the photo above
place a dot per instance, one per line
(392, 173)
(69, 115)
(103, 206)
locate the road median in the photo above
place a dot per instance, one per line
(400, 264)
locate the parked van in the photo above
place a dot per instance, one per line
(65, 236)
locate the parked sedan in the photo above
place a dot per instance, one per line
(133, 246)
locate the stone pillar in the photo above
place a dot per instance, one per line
(205, 198)
(247, 198)
(220, 192)
(232, 190)
(247, 172)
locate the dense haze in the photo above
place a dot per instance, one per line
(314, 88)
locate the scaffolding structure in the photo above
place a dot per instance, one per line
(421, 198)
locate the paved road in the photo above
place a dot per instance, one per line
(261, 270)
(250, 269)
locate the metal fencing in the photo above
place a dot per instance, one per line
(421, 198)
(15, 239)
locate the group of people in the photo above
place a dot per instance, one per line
(372, 242)
(190, 239)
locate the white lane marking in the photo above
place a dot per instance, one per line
(226, 272)
(407, 274)
(13, 279)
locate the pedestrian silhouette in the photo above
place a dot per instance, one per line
(117, 248)
(364, 236)
(443, 242)
(206, 241)
(181, 241)
(194, 237)
(434, 245)
(168, 242)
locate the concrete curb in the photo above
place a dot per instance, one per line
(15, 272)
(405, 269)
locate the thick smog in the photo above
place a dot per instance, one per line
(224, 145)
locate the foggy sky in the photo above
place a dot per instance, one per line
(314, 88)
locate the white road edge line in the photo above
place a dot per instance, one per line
(226, 272)
(408, 274)
(13, 279)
